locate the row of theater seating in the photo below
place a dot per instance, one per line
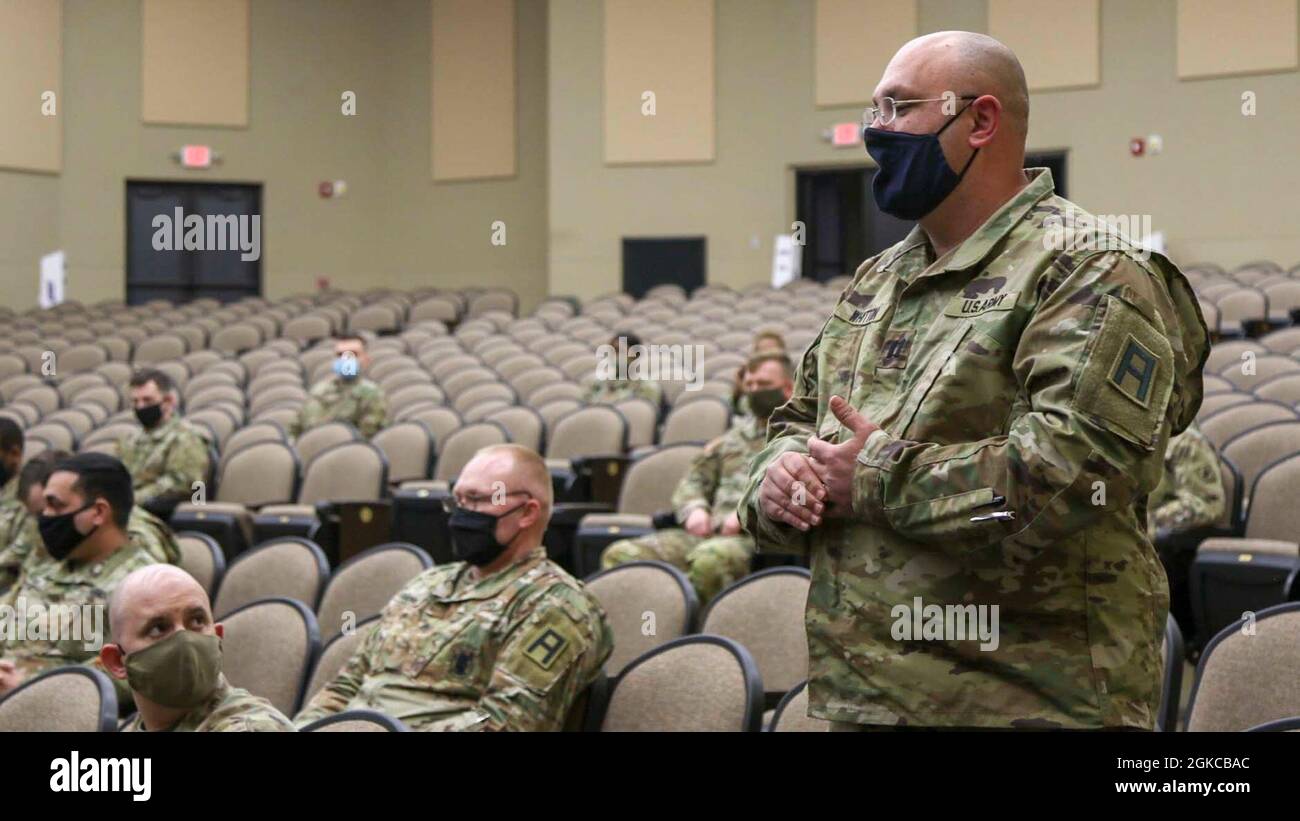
(1248, 301)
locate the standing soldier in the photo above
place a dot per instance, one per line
(169, 455)
(709, 545)
(977, 426)
(346, 396)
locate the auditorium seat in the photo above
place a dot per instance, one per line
(268, 648)
(628, 592)
(1249, 674)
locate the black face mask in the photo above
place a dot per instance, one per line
(60, 534)
(914, 175)
(762, 403)
(473, 535)
(5, 474)
(149, 415)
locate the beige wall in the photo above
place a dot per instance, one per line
(1224, 189)
(394, 227)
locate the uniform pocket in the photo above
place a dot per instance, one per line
(947, 516)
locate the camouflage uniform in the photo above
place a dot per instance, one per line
(1190, 493)
(609, 391)
(227, 710)
(1009, 375)
(510, 651)
(68, 584)
(357, 401)
(165, 462)
(714, 482)
(12, 519)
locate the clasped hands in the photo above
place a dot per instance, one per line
(800, 489)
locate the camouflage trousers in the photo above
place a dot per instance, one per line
(711, 563)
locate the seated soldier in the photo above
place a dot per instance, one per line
(618, 374)
(168, 650)
(710, 546)
(83, 528)
(1190, 494)
(169, 455)
(20, 538)
(502, 639)
(11, 457)
(765, 342)
(346, 396)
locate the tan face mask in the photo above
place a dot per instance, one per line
(180, 671)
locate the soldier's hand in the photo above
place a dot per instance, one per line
(697, 523)
(792, 492)
(9, 677)
(730, 525)
(836, 462)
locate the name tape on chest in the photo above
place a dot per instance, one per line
(963, 306)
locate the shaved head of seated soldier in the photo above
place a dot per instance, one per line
(511, 484)
(153, 397)
(769, 342)
(168, 649)
(11, 449)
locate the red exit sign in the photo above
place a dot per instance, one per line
(196, 156)
(846, 135)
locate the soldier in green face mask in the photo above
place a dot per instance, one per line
(169, 651)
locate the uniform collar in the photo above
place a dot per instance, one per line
(163, 428)
(977, 247)
(194, 718)
(461, 587)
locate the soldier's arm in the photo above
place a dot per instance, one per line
(335, 696)
(695, 490)
(555, 645)
(1103, 380)
(373, 416)
(1198, 496)
(788, 430)
(186, 463)
(297, 424)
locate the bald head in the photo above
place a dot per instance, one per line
(152, 602)
(967, 64)
(516, 467)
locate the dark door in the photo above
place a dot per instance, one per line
(648, 262)
(841, 222)
(188, 240)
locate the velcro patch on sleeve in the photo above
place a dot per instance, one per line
(546, 651)
(1128, 375)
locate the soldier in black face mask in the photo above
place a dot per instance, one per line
(168, 649)
(169, 455)
(502, 639)
(83, 528)
(11, 457)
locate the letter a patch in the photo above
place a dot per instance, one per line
(1134, 371)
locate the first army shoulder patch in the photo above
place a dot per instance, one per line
(1134, 371)
(545, 648)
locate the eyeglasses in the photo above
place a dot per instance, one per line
(889, 108)
(475, 503)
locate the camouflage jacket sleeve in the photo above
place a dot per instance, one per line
(335, 696)
(1104, 366)
(557, 642)
(788, 430)
(187, 463)
(1191, 493)
(695, 490)
(298, 424)
(373, 414)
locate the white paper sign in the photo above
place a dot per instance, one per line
(52, 279)
(787, 260)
